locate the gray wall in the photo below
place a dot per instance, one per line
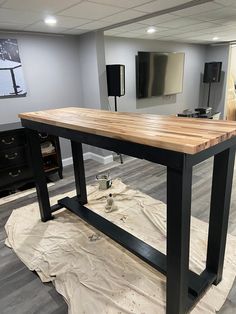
(65, 71)
(93, 76)
(123, 50)
(60, 71)
(93, 70)
(89, 71)
(51, 71)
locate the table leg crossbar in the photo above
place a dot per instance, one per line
(198, 284)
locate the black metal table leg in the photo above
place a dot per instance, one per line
(219, 211)
(80, 182)
(39, 175)
(179, 185)
(184, 287)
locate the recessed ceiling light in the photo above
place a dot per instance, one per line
(50, 20)
(151, 30)
(215, 38)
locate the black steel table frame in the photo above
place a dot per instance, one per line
(184, 287)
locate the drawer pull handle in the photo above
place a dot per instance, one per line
(8, 142)
(11, 156)
(13, 175)
(43, 136)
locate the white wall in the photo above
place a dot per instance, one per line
(123, 51)
(51, 70)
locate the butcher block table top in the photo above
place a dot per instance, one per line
(186, 135)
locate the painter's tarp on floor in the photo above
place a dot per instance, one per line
(96, 275)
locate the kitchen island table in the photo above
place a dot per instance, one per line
(179, 144)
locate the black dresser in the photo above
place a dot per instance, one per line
(15, 161)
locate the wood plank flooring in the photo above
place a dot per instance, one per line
(21, 291)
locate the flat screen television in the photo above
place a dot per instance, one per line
(159, 74)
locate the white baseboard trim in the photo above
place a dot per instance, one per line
(89, 155)
(102, 159)
(67, 161)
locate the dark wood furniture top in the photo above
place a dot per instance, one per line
(173, 133)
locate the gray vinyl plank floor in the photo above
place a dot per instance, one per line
(21, 291)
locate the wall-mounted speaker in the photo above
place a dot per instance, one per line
(115, 79)
(212, 72)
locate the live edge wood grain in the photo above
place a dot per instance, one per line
(186, 135)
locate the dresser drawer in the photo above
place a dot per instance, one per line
(12, 139)
(15, 174)
(14, 156)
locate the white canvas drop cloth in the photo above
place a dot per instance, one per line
(20, 194)
(95, 274)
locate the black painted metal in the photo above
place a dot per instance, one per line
(56, 207)
(78, 161)
(196, 285)
(14, 81)
(219, 212)
(39, 175)
(58, 154)
(179, 185)
(184, 287)
(208, 279)
(153, 257)
(115, 103)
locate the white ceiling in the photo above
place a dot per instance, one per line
(74, 16)
(198, 24)
(216, 18)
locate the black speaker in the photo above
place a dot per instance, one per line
(212, 72)
(116, 79)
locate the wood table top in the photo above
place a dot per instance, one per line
(186, 135)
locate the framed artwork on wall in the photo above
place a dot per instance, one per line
(12, 82)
